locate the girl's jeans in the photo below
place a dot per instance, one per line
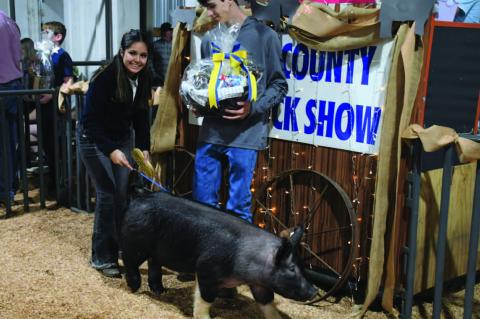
(111, 185)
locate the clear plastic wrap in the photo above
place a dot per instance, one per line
(235, 82)
(43, 68)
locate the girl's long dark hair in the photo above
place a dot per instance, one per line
(124, 93)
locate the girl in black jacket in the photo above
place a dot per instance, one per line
(116, 102)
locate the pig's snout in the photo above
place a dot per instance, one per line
(306, 292)
(301, 290)
(311, 292)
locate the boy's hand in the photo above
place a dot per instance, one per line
(45, 98)
(239, 114)
(195, 111)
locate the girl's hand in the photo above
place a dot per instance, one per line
(117, 157)
(45, 98)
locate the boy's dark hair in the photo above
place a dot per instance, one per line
(164, 28)
(205, 2)
(57, 28)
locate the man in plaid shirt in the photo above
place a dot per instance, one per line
(162, 49)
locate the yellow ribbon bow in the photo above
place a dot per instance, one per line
(236, 59)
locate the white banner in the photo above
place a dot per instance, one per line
(335, 99)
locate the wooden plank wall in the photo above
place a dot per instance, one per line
(458, 230)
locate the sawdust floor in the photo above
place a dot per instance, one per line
(44, 273)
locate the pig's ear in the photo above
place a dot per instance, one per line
(296, 236)
(286, 233)
(283, 251)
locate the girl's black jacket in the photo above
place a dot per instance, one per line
(108, 123)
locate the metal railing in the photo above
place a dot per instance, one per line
(66, 153)
(413, 203)
(73, 187)
(22, 146)
(70, 173)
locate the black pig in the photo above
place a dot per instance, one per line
(222, 250)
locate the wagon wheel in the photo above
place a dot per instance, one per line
(328, 247)
(180, 165)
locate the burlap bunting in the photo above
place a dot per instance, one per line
(70, 88)
(436, 137)
(164, 129)
(321, 28)
(156, 96)
(203, 22)
(399, 101)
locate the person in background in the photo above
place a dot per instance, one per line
(63, 71)
(10, 79)
(29, 58)
(240, 134)
(162, 49)
(116, 100)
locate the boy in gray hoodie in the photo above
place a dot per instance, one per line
(238, 135)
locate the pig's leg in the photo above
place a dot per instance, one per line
(132, 273)
(205, 293)
(264, 298)
(201, 308)
(155, 276)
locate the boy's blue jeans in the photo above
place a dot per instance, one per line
(208, 176)
(9, 106)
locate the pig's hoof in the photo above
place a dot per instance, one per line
(134, 288)
(157, 291)
(133, 284)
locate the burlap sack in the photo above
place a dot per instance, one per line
(164, 129)
(318, 26)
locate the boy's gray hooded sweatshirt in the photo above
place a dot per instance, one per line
(264, 49)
